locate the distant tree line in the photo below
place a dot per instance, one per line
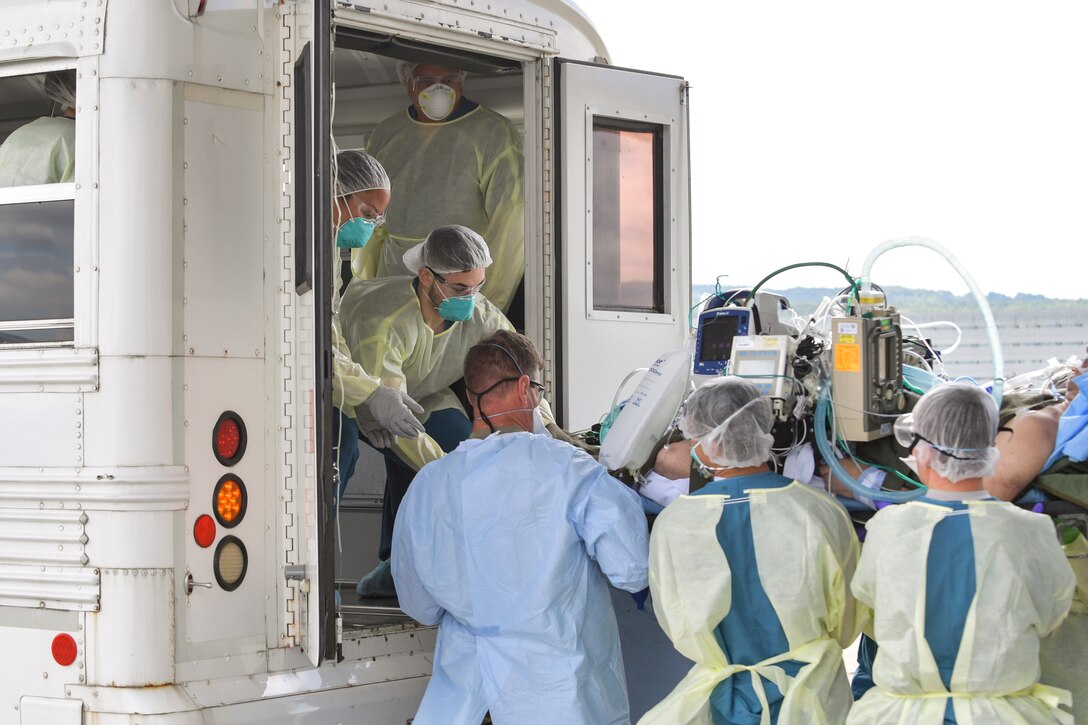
(922, 304)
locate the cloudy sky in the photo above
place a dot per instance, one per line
(36, 261)
(822, 129)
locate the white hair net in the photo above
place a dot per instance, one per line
(58, 86)
(957, 423)
(358, 171)
(448, 250)
(731, 421)
(405, 70)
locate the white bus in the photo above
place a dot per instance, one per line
(165, 317)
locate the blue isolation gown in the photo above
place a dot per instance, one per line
(750, 579)
(962, 592)
(508, 544)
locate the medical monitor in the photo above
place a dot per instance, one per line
(714, 342)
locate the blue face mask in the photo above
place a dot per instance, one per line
(354, 233)
(457, 309)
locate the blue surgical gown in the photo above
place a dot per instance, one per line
(508, 544)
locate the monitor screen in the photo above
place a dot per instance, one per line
(717, 336)
(756, 367)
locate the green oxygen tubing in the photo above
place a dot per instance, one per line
(823, 444)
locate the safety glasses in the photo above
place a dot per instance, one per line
(421, 82)
(366, 211)
(903, 429)
(457, 289)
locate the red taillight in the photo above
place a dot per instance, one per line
(64, 649)
(204, 531)
(229, 438)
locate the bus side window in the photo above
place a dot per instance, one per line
(36, 272)
(37, 208)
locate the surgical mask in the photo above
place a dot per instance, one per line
(911, 462)
(436, 101)
(354, 233)
(457, 309)
(538, 424)
(699, 465)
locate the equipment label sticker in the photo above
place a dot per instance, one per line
(847, 339)
(848, 328)
(848, 358)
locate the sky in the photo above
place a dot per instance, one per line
(820, 130)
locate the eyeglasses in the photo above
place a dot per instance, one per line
(539, 386)
(428, 81)
(366, 211)
(903, 429)
(459, 289)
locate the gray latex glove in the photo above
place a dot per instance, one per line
(395, 412)
(372, 430)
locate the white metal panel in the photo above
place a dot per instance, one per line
(600, 348)
(467, 28)
(130, 421)
(29, 536)
(128, 539)
(40, 430)
(48, 370)
(226, 622)
(224, 48)
(88, 186)
(130, 641)
(109, 705)
(152, 488)
(395, 656)
(295, 454)
(50, 711)
(59, 28)
(395, 701)
(137, 222)
(32, 671)
(68, 588)
(223, 226)
(533, 27)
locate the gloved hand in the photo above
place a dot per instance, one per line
(640, 598)
(395, 411)
(379, 437)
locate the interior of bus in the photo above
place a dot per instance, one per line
(367, 90)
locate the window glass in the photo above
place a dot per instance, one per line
(37, 129)
(36, 272)
(627, 216)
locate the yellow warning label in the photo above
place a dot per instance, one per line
(846, 339)
(848, 358)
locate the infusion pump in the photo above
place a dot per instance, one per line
(764, 361)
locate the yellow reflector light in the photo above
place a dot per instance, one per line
(231, 562)
(229, 500)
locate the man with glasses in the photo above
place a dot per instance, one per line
(506, 545)
(412, 334)
(453, 162)
(962, 586)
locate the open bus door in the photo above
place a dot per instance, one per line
(313, 512)
(623, 228)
